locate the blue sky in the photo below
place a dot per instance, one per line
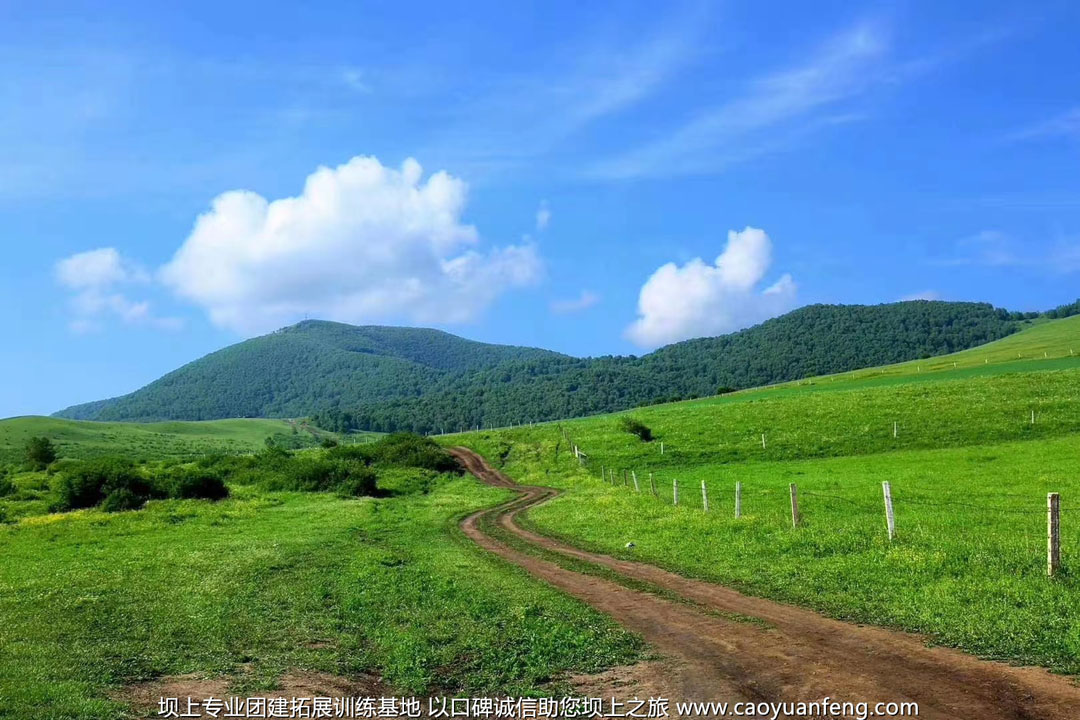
(592, 178)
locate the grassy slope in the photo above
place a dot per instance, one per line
(973, 577)
(91, 601)
(82, 439)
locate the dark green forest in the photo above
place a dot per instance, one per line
(387, 379)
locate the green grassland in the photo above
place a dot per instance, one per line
(82, 439)
(1043, 344)
(969, 475)
(262, 583)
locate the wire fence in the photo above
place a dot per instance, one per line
(797, 504)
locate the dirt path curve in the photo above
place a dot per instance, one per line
(792, 655)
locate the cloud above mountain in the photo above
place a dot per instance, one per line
(700, 299)
(361, 243)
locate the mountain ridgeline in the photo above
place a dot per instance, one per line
(386, 378)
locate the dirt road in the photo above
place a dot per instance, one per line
(791, 655)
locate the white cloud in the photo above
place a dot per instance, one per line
(543, 215)
(1067, 124)
(698, 299)
(93, 277)
(361, 243)
(584, 301)
(847, 66)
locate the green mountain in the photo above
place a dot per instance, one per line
(383, 378)
(302, 368)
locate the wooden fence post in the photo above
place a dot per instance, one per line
(738, 500)
(625, 481)
(652, 483)
(661, 447)
(675, 491)
(704, 497)
(634, 475)
(762, 441)
(794, 506)
(1053, 534)
(890, 519)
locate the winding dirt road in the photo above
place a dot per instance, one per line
(790, 655)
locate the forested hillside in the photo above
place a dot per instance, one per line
(384, 379)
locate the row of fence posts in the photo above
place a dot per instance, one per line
(1053, 502)
(1053, 513)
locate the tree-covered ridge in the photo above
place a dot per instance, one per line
(386, 379)
(296, 370)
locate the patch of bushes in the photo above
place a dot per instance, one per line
(724, 390)
(7, 487)
(40, 453)
(197, 484)
(411, 450)
(636, 427)
(89, 483)
(117, 484)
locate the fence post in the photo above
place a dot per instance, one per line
(661, 447)
(634, 475)
(625, 482)
(794, 506)
(704, 497)
(890, 519)
(895, 430)
(738, 500)
(652, 483)
(762, 441)
(1053, 533)
(675, 491)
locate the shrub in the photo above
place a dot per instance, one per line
(328, 442)
(40, 452)
(7, 487)
(122, 499)
(724, 390)
(360, 482)
(636, 427)
(88, 483)
(197, 483)
(411, 450)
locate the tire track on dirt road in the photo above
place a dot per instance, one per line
(799, 656)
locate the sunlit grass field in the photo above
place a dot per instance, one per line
(263, 583)
(969, 475)
(82, 439)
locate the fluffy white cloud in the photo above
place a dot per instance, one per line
(543, 215)
(698, 299)
(93, 277)
(361, 243)
(584, 301)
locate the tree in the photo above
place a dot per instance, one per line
(40, 452)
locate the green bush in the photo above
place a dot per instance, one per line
(196, 484)
(7, 487)
(88, 483)
(411, 450)
(122, 499)
(40, 452)
(636, 427)
(360, 483)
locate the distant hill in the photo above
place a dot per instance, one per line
(387, 378)
(302, 368)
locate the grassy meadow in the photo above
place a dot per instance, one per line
(144, 441)
(266, 581)
(969, 474)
